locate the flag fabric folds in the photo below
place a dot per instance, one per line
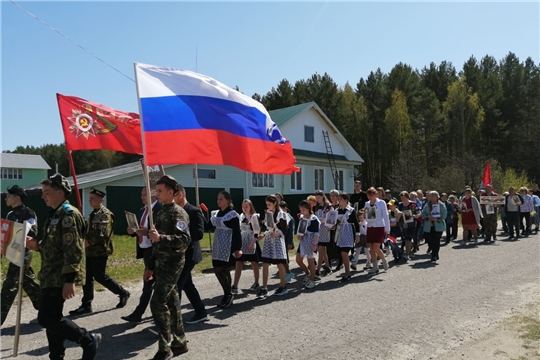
(91, 126)
(189, 118)
(486, 179)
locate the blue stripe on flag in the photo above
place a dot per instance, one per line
(188, 112)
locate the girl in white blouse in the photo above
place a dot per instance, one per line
(377, 228)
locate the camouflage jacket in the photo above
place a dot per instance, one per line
(100, 232)
(62, 248)
(172, 224)
(21, 213)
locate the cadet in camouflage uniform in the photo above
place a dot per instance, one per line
(20, 213)
(170, 238)
(99, 245)
(62, 265)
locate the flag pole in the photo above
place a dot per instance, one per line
(74, 175)
(196, 169)
(19, 297)
(145, 169)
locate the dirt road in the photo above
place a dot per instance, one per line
(413, 311)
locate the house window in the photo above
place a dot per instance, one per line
(319, 179)
(262, 180)
(296, 180)
(205, 173)
(309, 134)
(12, 174)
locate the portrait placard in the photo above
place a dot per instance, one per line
(331, 218)
(255, 224)
(269, 220)
(302, 226)
(132, 220)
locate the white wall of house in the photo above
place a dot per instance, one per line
(294, 132)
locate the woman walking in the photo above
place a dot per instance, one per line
(470, 216)
(251, 250)
(378, 227)
(434, 215)
(227, 241)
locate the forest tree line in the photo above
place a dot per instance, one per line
(432, 128)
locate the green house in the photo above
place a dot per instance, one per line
(22, 169)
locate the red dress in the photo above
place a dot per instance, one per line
(468, 220)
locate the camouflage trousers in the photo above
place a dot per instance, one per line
(165, 304)
(11, 286)
(490, 225)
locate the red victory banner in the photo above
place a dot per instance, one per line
(91, 126)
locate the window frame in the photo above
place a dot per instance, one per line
(261, 178)
(313, 133)
(294, 175)
(316, 180)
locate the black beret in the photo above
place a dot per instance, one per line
(97, 192)
(17, 190)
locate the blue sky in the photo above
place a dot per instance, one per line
(250, 44)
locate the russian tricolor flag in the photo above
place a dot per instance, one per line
(189, 118)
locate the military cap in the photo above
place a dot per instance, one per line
(17, 190)
(169, 180)
(97, 192)
(62, 182)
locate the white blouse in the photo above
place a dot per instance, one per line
(379, 217)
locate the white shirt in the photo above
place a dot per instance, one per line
(146, 243)
(381, 219)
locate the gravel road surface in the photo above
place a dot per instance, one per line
(416, 310)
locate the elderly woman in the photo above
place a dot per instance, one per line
(434, 215)
(470, 216)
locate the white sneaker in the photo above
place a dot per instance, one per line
(310, 284)
(385, 264)
(373, 270)
(306, 280)
(368, 266)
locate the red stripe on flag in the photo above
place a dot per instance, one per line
(218, 148)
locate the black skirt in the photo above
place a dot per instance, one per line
(256, 257)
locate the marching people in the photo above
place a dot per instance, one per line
(144, 251)
(274, 250)
(449, 217)
(489, 212)
(377, 228)
(227, 241)
(358, 197)
(512, 204)
(470, 216)
(193, 257)
(99, 246)
(347, 231)
(289, 239)
(320, 210)
(526, 207)
(20, 213)
(434, 215)
(170, 240)
(407, 223)
(308, 243)
(62, 253)
(535, 220)
(251, 251)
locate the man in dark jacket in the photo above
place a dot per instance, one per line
(193, 257)
(144, 251)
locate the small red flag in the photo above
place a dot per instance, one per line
(486, 179)
(91, 126)
(391, 238)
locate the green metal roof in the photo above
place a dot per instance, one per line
(318, 155)
(282, 116)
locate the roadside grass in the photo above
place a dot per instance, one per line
(527, 326)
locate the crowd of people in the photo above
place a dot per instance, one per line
(331, 234)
